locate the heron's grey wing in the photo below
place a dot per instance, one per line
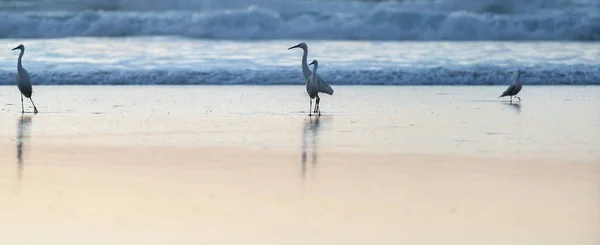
(516, 90)
(324, 87)
(24, 83)
(508, 90)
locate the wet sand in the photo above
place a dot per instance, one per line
(244, 164)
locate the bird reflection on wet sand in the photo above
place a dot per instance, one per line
(23, 129)
(516, 106)
(310, 130)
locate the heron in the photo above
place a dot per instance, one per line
(321, 85)
(514, 88)
(313, 87)
(24, 81)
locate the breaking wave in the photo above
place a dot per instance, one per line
(324, 20)
(571, 75)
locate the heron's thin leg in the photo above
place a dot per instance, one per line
(317, 109)
(318, 106)
(310, 109)
(34, 108)
(511, 99)
(22, 107)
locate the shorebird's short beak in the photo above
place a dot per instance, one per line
(294, 47)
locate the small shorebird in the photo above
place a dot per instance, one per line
(514, 88)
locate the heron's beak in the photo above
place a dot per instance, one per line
(15, 48)
(294, 47)
(311, 63)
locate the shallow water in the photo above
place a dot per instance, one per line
(561, 122)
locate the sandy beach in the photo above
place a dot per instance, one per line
(245, 164)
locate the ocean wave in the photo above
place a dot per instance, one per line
(481, 6)
(565, 75)
(383, 21)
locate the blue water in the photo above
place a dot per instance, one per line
(406, 42)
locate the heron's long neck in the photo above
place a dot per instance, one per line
(19, 65)
(314, 72)
(305, 69)
(518, 79)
